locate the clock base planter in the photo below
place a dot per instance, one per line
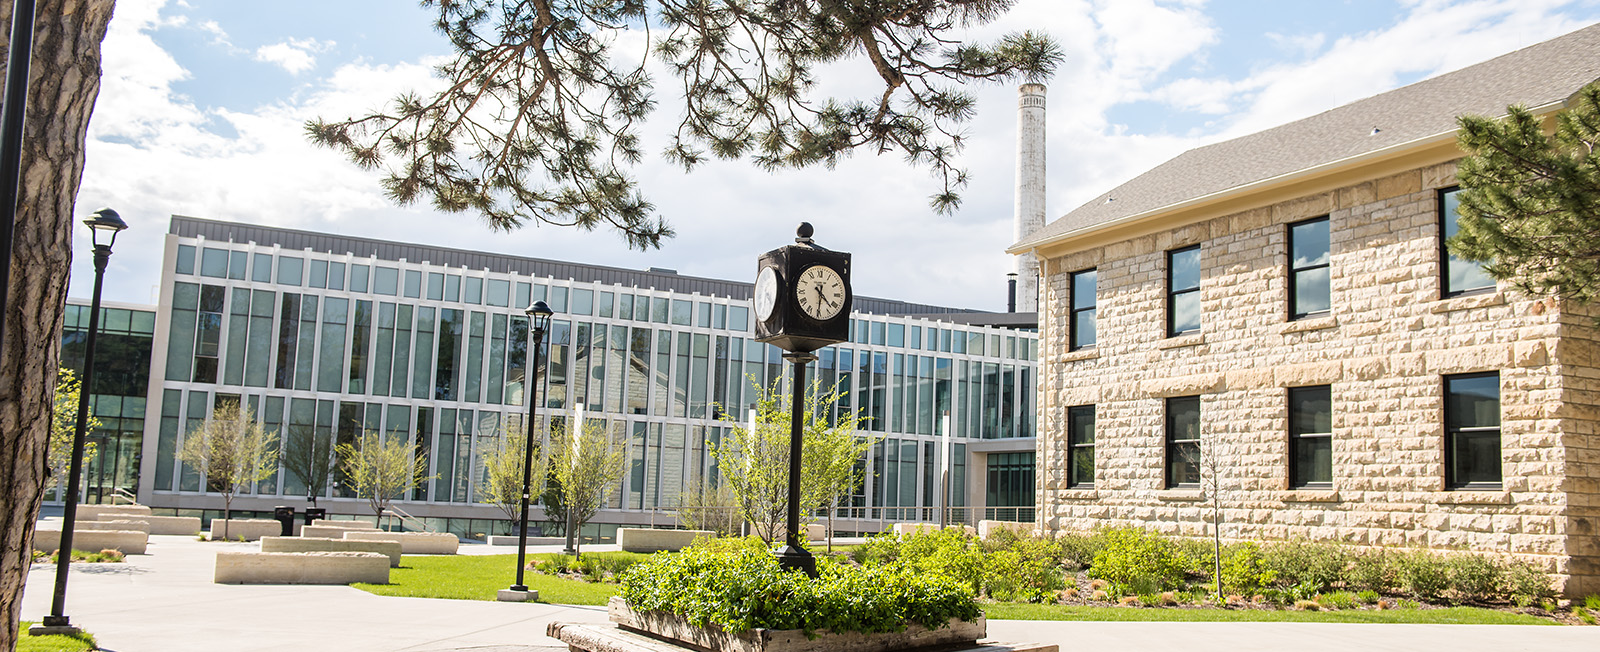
(959, 634)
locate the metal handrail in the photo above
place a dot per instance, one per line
(407, 519)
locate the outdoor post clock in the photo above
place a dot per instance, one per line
(802, 295)
(802, 303)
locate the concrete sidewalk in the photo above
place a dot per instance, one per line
(165, 602)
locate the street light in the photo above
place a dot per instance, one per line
(538, 321)
(104, 224)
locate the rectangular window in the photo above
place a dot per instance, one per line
(214, 262)
(499, 293)
(386, 280)
(261, 268)
(413, 287)
(1082, 327)
(290, 269)
(1311, 437)
(1183, 442)
(358, 277)
(1183, 291)
(1472, 431)
(185, 259)
(1459, 276)
(1080, 452)
(319, 274)
(360, 338)
(1309, 294)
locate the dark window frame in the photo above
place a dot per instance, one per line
(1173, 444)
(1297, 439)
(1076, 448)
(1173, 294)
(1445, 291)
(1452, 430)
(1074, 341)
(1294, 272)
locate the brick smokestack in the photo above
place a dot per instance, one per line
(1029, 215)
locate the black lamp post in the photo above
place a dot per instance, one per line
(538, 320)
(104, 224)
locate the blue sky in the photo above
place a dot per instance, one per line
(202, 103)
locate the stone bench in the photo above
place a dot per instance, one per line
(140, 525)
(182, 525)
(987, 528)
(412, 543)
(651, 540)
(511, 540)
(320, 529)
(301, 568)
(913, 528)
(110, 512)
(249, 528)
(391, 549)
(129, 542)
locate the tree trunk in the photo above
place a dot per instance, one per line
(227, 514)
(63, 82)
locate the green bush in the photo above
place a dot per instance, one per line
(1422, 574)
(1473, 577)
(1525, 583)
(1021, 574)
(1244, 568)
(1078, 550)
(950, 552)
(1372, 570)
(737, 585)
(1134, 561)
(1295, 563)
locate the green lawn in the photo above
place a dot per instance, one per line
(475, 577)
(26, 643)
(1451, 615)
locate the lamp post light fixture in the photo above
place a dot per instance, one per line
(538, 321)
(104, 224)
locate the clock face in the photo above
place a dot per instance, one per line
(766, 293)
(820, 292)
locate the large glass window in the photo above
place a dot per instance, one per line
(1308, 268)
(1183, 442)
(1080, 442)
(1183, 290)
(1459, 276)
(1311, 437)
(1472, 431)
(1083, 309)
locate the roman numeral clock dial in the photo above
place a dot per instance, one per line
(820, 292)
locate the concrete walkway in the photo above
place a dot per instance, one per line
(165, 602)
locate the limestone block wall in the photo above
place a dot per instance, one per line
(1383, 349)
(129, 542)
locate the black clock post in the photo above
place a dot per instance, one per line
(802, 303)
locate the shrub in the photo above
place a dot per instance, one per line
(1338, 600)
(1526, 583)
(1024, 572)
(1134, 560)
(737, 585)
(1422, 574)
(950, 552)
(1372, 570)
(1078, 550)
(1473, 577)
(1244, 569)
(1300, 562)
(1367, 596)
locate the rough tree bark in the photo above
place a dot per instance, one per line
(64, 80)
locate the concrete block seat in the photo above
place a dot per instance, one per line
(913, 528)
(987, 528)
(511, 540)
(412, 543)
(301, 568)
(182, 525)
(249, 528)
(128, 542)
(326, 530)
(111, 512)
(391, 549)
(140, 525)
(650, 540)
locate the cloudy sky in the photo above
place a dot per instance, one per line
(202, 105)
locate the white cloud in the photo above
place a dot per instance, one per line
(1298, 44)
(293, 55)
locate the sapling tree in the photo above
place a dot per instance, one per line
(381, 469)
(503, 462)
(64, 424)
(586, 463)
(231, 451)
(310, 458)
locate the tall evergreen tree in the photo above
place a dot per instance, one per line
(541, 111)
(1530, 200)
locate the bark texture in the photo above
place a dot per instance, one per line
(63, 82)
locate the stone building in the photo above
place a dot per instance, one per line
(1278, 311)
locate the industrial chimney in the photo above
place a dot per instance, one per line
(1029, 214)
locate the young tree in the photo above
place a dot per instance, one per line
(502, 471)
(65, 79)
(587, 471)
(538, 120)
(708, 506)
(309, 458)
(755, 466)
(231, 451)
(1208, 458)
(1530, 201)
(64, 424)
(381, 469)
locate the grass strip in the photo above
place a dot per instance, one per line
(479, 577)
(1445, 616)
(53, 643)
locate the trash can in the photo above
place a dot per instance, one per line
(285, 516)
(315, 514)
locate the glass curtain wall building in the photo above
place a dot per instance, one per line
(338, 335)
(117, 398)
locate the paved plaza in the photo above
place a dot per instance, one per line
(165, 602)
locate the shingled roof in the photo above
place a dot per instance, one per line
(1535, 76)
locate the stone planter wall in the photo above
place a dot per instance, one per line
(128, 542)
(958, 634)
(390, 549)
(301, 568)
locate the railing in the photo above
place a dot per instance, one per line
(851, 519)
(119, 492)
(415, 523)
